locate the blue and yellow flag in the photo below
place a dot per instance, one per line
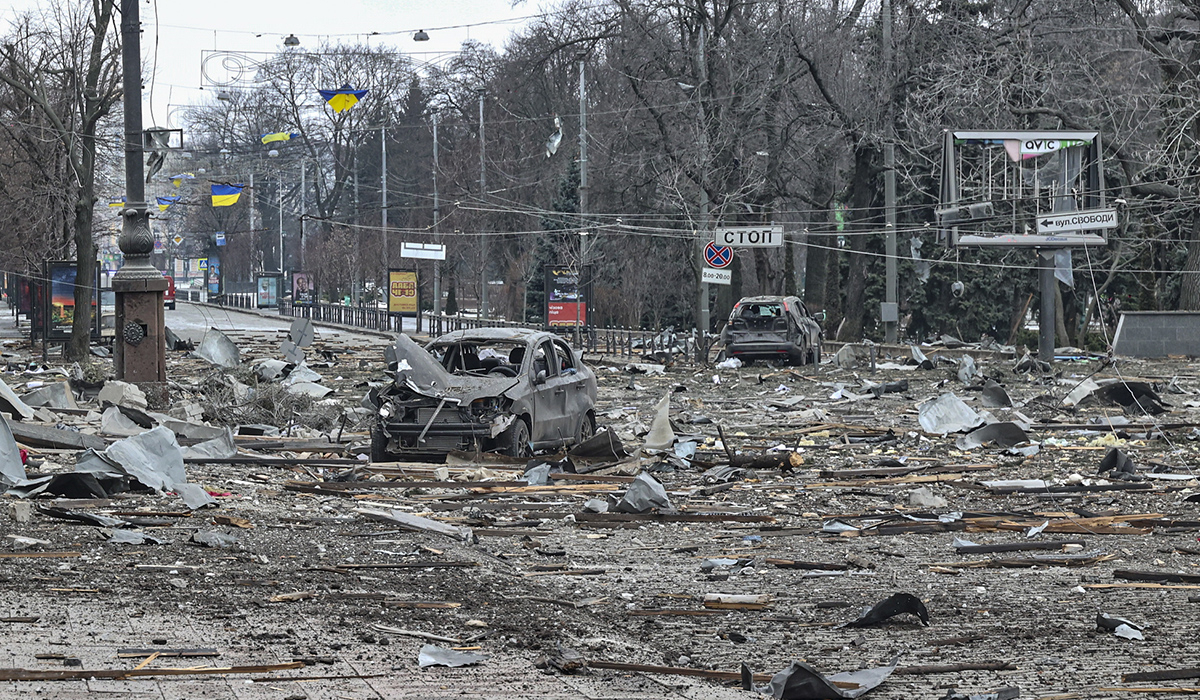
(116, 202)
(343, 98)
(165, 202)
(177, 180)
(226, 195)
(278, 136)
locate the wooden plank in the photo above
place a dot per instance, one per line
(39, 555)
(678, 671)
(1156, 586)
(411, 565)
(25, 674)
(1167, 675)
(1156, 576)
(810, 565)
(1015, 547)
(184, 653)
(671, 518)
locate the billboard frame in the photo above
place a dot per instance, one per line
(1091, 173)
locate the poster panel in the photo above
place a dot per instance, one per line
(402, 292)
(304, 291)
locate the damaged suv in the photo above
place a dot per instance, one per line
(772, 328)
(510, 390)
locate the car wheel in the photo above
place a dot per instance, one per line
(171, 306)
(379, 441)
(515, 441)
(586, 428)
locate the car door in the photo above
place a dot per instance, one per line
(548, 395)
(577, 398)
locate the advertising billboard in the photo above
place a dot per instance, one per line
(566, 295)
(214, 274)
(60, 311)
(304, 290)
(266, 289)
(402, 292)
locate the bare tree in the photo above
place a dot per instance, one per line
(66, 62)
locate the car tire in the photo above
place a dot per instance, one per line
(586, 428)
(379, 441)
(514, 442)
(171, 306)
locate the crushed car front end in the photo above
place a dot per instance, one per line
(417, 426)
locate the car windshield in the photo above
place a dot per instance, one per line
(479, 357)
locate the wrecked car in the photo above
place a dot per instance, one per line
(778, 329)
(510, 390)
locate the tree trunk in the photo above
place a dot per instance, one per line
(862, 195)
(1189, 286)
(815, 263)
(1060, 321)
(85, 275)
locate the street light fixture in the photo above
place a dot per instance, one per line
(420, 35)
(291, 41)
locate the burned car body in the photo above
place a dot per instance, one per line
(772, 328)
(511, 390)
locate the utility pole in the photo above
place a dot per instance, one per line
(383, 211)
(702, 314)
(1046, 319)
(253, 196)
(356, 280)
(300, 215)
(141, 342)
(483, 288)
(280, 176)
(437, 236)
(582, 285)
(890, 310)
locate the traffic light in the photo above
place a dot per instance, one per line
(965, 213)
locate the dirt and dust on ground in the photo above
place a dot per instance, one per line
(941, 525)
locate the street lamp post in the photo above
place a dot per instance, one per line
(140, 355)
(485, 244)
(437, 236)
(383, 210)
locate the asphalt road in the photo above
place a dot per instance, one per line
(190, 321)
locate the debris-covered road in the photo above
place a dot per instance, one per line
(832, 490)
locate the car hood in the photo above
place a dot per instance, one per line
(421, 373)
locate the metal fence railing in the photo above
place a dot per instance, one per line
(653, 344)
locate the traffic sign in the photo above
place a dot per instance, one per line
(750, 236)
(177, 239)
(202, 264)
(424, 251)
(718, 256)
(1087, 220)
(220, 238)
(711, 276)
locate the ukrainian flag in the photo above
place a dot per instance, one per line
(278, 136)
(116, 202)
(343, 98)
(177, 180)
(165, 202)
(226, 195)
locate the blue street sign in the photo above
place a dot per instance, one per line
(718, 256)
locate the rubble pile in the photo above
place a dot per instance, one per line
(934, 522)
